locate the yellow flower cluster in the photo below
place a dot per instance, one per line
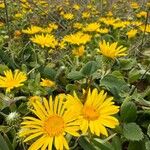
(45, 40)
(66, 114)
(77, 38)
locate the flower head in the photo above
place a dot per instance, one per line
(77, 38)
(32, 30)
(11, 81)
(92, 27)
(79, 51)
(45, 40)
(52, 122)
(131, 33)
(111, 50)
(96, 112)
(47, 83)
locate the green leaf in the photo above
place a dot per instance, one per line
(116, 143)
(128, 112)
(8, 142)
(148, 130)
(3, 144)
(134, 75)
(89, 68)
(132, 132)
(71, 87)
(85, 144)
(102, 145)
(49, 73)
(3, 68)
(147, 145)
(136, 145)
(75, 75)
(127, 64)
(113, 84)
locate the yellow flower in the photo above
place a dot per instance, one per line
(85, 15)
(108, 21)
(1, 24)
(45, 40)
(131, 33)
(142, 14)
(76, 6)
(32, 30)
(53, 26)
(52, 123)
(68, 16)
(77, 25)
(18, 15)
(145, 29)
(134, 5)
(103, 30)
(96, 112)
(77, 38)
(111, 50)
(11, 81)
(79, 51)
(92, 27)
(47, 83)
(2, 5)
(33, 99)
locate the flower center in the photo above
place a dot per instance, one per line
(90, 113)
(54, 125)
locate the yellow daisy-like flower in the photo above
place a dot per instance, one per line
(77, 38)
(2, 5)
(47, 83)
(96, 112)
(11, 81)
(132, 33)
(91, 27)
(79, 51)
(68, 16)
(32, 30)
(45, 40)
(111, 50)
(51, 124)
(85, 15)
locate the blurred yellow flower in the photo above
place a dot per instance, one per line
(103, 30)
(142, 14)
(86, 15)
(145, 29)
(45, 40)
(68, 16)
(134, 5)
(18, 15)
(2, 5)
(10, 81)
(131, 33)
(77, 25)
(77, 38)
(1, 24)
(96, 112)
(111, 50)
(33, 100)
(32, 30)
(47, 83)
(79, 51)
(91, 27)
(52, 122)
(76, 6)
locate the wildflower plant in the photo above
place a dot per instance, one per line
(74, 75)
